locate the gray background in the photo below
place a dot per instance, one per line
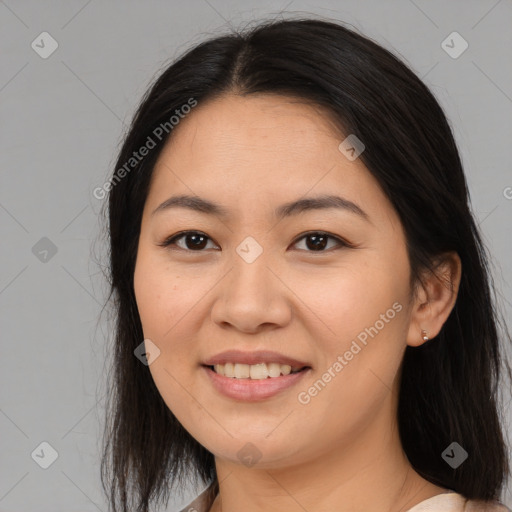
(62, 121)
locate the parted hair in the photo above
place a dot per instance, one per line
(450, 385)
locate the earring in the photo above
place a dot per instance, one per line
(424, 335)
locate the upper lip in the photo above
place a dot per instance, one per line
(255, 357)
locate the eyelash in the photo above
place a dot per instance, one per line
(168, 242)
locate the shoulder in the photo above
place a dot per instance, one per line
(201, 503)
(485, 506)
(454, 502)
(197, 505)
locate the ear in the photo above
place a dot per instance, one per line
(434, 299)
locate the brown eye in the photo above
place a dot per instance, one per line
(193, 241)
(317, 241)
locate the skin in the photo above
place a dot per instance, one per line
(251, 155)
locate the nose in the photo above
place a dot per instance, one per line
(252, 297)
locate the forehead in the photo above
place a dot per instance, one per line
(260, 150)
(264, 123)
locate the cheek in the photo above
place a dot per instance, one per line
(171, 313)
(147, 294)
(346, 300)
(363, 319)
(160, 295)
(358, 366)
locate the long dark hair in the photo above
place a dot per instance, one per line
(449, 385)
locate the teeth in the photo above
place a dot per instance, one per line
(254, 371)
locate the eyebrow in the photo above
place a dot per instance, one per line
(322, 202)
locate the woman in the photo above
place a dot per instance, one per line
(304, 309)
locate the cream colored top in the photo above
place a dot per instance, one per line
(446, 502)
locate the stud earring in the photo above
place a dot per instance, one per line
(424, 335)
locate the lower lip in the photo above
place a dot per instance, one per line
(251, 390)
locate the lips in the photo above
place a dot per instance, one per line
(248, 390)
(255, 357)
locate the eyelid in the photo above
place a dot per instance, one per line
(339, 240)
(170, 241)
(167, 242)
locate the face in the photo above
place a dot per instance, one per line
(326, 286)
